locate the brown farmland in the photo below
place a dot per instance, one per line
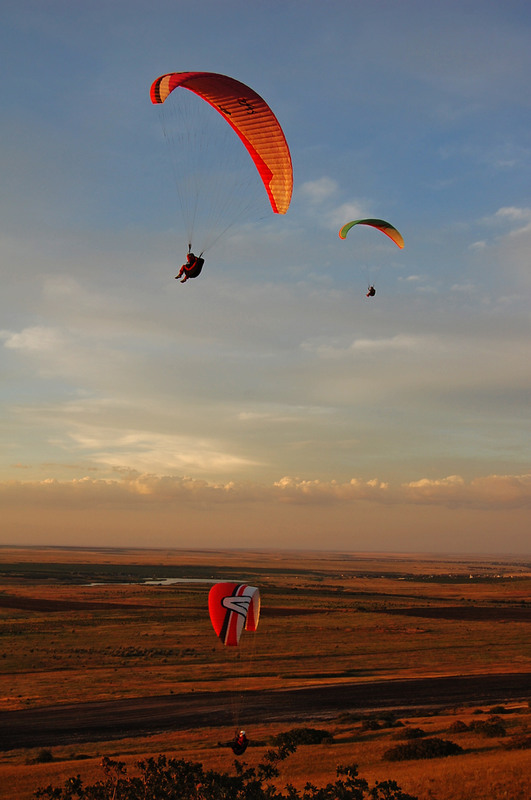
(93, 657)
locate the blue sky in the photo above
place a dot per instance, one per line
(269, 403)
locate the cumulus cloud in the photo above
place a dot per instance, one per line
(296, 490)
(130, 488)
(492, 491)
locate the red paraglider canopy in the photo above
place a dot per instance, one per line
(233, 607)
(250, 117)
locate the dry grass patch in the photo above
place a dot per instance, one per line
(328, 618)
(485, 770)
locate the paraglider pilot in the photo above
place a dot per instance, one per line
(371, 292)
(239, 743)
(192, 268)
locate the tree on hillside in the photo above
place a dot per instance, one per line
(165, 778)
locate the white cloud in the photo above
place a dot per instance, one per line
(492, 491)
(148, 451)
(319, 190)
(512, 248)
(37, 339)
(339, 216)
(393, 344)
(516, 219)
(514, 214)
(399, 342)
(295, 490)
(323, 192)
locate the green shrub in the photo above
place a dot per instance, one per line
(491, 727)
(412, 733)
(376, 722)
(44, 756)
(370, 725)
(388, 719)
(299, 736)
(520, 742)
(423, 748)
(458, 726)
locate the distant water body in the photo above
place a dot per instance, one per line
(155, 582)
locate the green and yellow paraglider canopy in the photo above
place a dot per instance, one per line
(379, 224)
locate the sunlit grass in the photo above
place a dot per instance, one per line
(326, 618)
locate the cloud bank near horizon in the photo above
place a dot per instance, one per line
(489, 492)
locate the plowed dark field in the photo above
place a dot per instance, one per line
(104, 721)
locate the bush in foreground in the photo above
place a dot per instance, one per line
(165, 778)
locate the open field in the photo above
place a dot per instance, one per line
(342, 637)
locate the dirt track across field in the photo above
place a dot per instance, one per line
(141, 716)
